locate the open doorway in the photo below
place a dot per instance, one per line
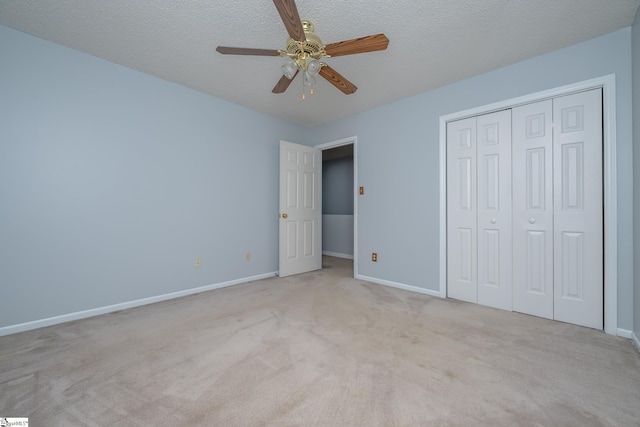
(339, 203)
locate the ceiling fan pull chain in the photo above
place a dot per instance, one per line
(304, 96)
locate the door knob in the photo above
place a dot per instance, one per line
(493, 221)
(284, 215)
(532, 220)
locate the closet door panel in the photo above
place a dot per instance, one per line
(578, 209)
(461, 210)
(494, 209)
(532, 159)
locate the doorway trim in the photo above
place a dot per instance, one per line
(338, 143)
(608, 85)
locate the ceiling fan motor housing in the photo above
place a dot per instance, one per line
(312, 47)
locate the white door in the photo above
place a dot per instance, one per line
(558, 209)
(494, 209)
(461, 210)
(532, 157)
(300, 248)
(578, 209)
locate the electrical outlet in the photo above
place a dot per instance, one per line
(374, 257)
(247, 256)
(198, 262)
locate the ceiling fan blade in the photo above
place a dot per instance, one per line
(360, 45)
(283, 84)
(337, 80)
(226, 50)
(291, 19)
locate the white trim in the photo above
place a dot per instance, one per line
(337, 254)
(22, 327)
(443, 206)
(397, 285)
(610, 204)
(608, 84)
(635, 340)
(624, 333)
(338, 143)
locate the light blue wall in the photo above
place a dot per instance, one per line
(112, 182)
(337, 206)
(398, 160)
(337, 235)
(636, 161)
(337, 186)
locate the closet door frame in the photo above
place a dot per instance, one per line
(608, 85)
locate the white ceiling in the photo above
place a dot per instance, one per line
(432, 42)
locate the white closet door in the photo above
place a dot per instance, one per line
(532, 155)
(461, 210)
(578, 206)
(494, 209)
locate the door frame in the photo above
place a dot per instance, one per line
(338, 143)
(608, 85)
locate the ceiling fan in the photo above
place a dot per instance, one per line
(305, 49)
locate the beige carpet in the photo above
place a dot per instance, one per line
(319, 349)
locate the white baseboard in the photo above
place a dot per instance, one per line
(411, 288)
(635, 340)
(27, 326)
(337, 255)
(624, 333)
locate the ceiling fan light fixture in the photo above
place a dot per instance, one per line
(308, 79)
(289, 69)
(313, 66)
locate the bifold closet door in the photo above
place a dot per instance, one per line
(558, 209)
(532, 157)
(494, 209)
(479, 209)
(525, 209)
(578, 209)
(461, 211)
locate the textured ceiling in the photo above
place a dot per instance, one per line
(432, 42)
